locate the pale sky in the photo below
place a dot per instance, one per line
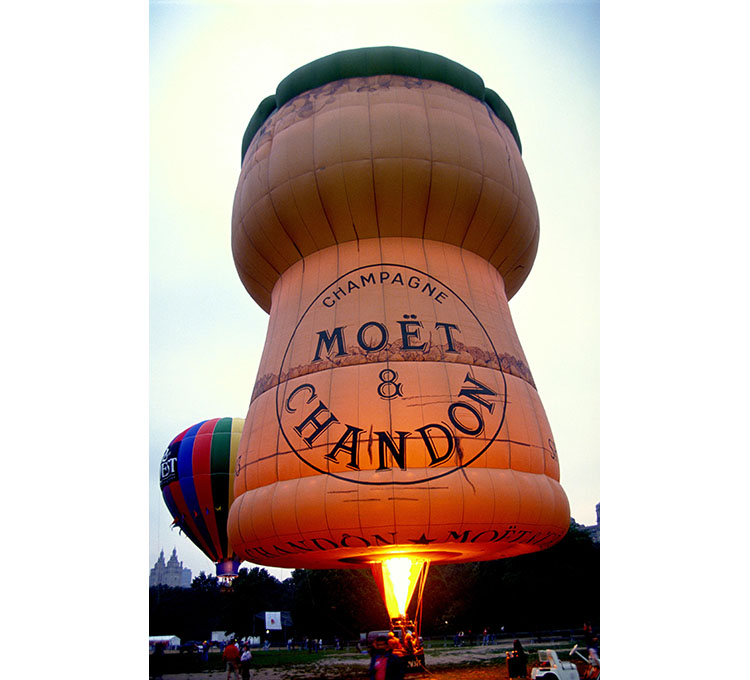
(210, 66)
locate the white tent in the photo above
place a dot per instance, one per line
(171, 641)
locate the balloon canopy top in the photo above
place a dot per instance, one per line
(376, 61)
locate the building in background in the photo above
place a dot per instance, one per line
(170, 573)
(594, 528)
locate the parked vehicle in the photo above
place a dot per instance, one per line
(551, 667)
(190, 646)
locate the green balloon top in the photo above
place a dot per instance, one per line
(376, 61)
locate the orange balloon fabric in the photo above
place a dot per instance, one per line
(385, 221)
(376, 157)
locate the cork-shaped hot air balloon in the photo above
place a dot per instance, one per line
(383, 217)
(197, 480)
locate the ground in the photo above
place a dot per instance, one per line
(471, 663)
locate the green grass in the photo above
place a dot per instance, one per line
(173, 662)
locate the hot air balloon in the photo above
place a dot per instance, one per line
(384, 217)
(196, 480)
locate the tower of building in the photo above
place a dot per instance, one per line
(171, 573)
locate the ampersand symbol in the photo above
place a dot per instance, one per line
(388, 388)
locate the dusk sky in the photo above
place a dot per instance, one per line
(212, 64)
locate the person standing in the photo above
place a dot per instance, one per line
(592, 642)
(517, 661)
(396, 666)
(409, 643)
(156, 662)
(232, 657)
(245, 662)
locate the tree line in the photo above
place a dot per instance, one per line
(557, 588)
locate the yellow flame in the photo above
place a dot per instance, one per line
(400, 576)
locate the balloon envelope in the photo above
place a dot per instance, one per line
(384, 217)
(196, 479)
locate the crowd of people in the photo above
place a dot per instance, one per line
(237, 660)
(390, 656)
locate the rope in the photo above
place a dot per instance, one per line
(420, 593)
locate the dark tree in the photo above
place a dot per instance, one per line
(190, 613)
(553, 588)
(254, 591)
(556, 588)
(342, 602)
(450, 597)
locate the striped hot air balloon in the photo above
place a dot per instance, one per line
(197, 479)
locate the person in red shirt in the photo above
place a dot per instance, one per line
(232, 656)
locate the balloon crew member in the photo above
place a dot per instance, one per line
(592, 647)
(245, 660)
(414, 647)
(396, 667)
(378, 658)
(232, 657)
(516, 659)
(409, 643)
(157, 661)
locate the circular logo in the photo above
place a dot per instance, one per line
(389, 370)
